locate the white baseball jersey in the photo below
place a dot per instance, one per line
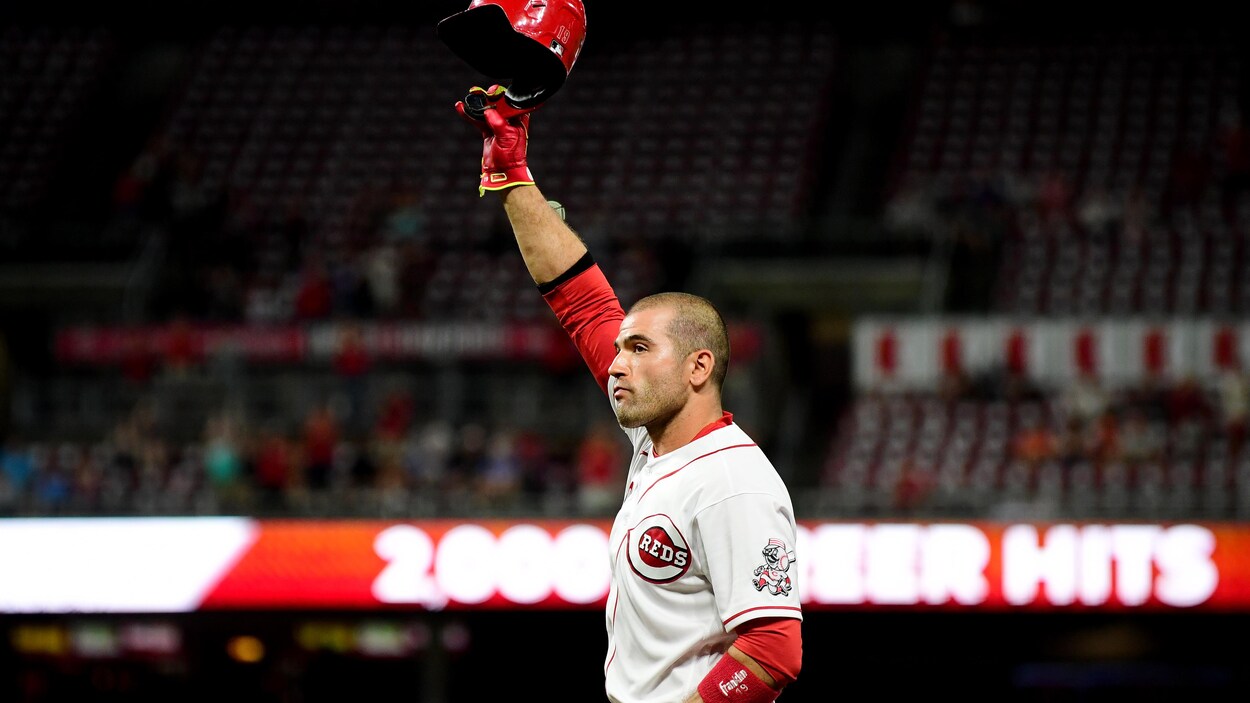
(704, 542)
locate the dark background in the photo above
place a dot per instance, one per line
(558, 655)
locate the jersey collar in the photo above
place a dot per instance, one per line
(726, 419)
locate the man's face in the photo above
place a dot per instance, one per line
(650, 377)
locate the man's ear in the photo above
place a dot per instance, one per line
(702, 362)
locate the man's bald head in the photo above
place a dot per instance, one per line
(696, 324)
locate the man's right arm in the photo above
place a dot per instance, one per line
(572, 284)
(554, 255)
(547, 245)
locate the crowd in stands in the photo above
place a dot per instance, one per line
(227, 260)
(400, 465)
(1137, 202)
(998, 444)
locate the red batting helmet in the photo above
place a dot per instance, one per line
(532, 43)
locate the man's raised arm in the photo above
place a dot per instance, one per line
(555, 256)
(548, 246)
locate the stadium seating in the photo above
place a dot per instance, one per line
(969, 458)
(289, 158)
(335, 154)
(1104, 167)
(1136, 118)
(334, 120)
(46, 74)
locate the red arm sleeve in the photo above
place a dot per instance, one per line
(591, 314)
(776, 644)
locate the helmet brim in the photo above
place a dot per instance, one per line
(485, 40)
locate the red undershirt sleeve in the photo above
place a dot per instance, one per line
(590, 313)
(776, 644)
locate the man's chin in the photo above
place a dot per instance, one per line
(628, 422)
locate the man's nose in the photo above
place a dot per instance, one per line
(617, 367)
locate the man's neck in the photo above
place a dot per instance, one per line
(682, 428)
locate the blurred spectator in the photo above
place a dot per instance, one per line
(272, 466)
(426, 456)
(17, 471)
(498, 480)
(152, 475)
(1016, 385)
(350, 289)
(388, 482)
(53, 482)
(468, 460)
(362, 471)
(391, 484)
(1034, 442)
(123, 465)
(1103, 438)
(10, 498)
(1084, 399)
(352, 364)
(314, 294)
(406, 219)
(354, 479)
(138, 363)
(181, 353)
(1139, 440)
(1099, 213)
(183, 478)
(598, 467)
(1234, 406)
(1070, 442)
(911, 210)
(320, 436)
(223, 462)
(87, 475)
(1054, 195)
(1190, 414)
(1188, 403)
(913, 487)
(541, 476)
(1151, 395)
(381, 274)
(395, 416)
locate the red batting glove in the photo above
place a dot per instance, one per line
(505, 137)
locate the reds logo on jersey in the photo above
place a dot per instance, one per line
(658, 552)
(772, 573)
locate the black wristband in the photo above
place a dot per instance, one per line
(581, 265)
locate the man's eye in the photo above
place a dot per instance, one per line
(640, 348)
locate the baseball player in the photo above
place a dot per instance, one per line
(704, 602)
